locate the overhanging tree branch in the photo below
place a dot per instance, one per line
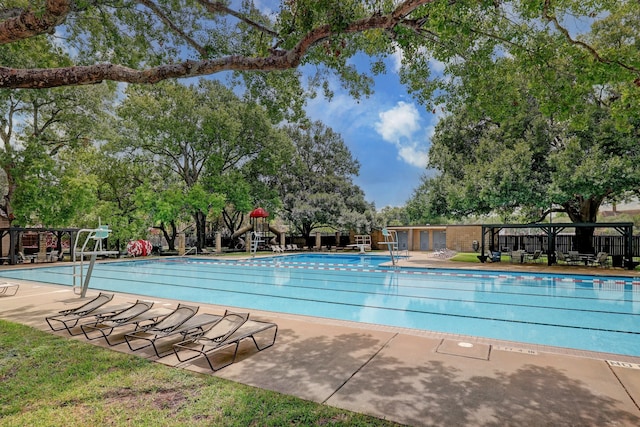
(31, 23)
(57, 10)
(590, 49)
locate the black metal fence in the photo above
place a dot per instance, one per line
(613, 245)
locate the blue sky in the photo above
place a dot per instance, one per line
(388, 133)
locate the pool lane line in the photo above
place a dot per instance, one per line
(417, 297)
(513, 286)
(294, 298)
(579, 299)
(409, 310)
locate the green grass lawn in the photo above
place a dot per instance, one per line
(47, 380)
(473, 258)
(465, 257)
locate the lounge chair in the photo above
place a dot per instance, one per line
(69, 318)
(53, 256)
(103, 326)
(22, 258)
(182, 321)
(228, 334)
(561, 257)
(8, 286)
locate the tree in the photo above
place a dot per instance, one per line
(146, 42)
(427, 204)
(164, 208)
(316, 185)
(54, 192)
(509, 152)
(37, 131)
(119, 179)
(201, 133)
(392, 216)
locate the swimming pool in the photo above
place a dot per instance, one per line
(580, 312)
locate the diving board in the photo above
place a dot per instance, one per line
(362, 242)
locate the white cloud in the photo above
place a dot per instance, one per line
(400, 126)
(396, 59)
(414, 155)
(400, 121)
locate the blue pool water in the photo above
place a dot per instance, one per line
(581, 312)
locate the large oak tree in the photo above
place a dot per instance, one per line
(316, 185)
(146, 41)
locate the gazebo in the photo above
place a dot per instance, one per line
(15, 237)
(553, 229)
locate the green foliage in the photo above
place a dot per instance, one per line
(527, 161)
(53, 194)
(218, 149)
(392, 216)
(316, 187)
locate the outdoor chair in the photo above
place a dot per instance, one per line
(228, 335)
(601, 259)
(573, 258)
(22, 258)
(495, 256)
(8, 286)
(68, 319)
(536, 257)
(181, 322)
(52, 256)
(103, 326)
(517, 256)
(561, 257)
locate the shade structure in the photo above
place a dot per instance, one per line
(258, 213)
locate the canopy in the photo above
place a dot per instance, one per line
(258, 213)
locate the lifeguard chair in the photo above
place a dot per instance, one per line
(260, 233)
(95, 236)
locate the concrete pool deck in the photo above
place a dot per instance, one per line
(417, 378)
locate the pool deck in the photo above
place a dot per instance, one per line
(411, 377)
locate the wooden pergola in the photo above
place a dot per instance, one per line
(15, 234)
(553, 229)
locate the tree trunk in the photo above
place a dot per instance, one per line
(7, 207)
(581, 210)
(200, 219)
(233, 222)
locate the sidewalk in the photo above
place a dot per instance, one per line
(411, 377)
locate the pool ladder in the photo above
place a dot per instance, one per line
(256, 240)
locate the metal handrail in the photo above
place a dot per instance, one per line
(193, 248)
